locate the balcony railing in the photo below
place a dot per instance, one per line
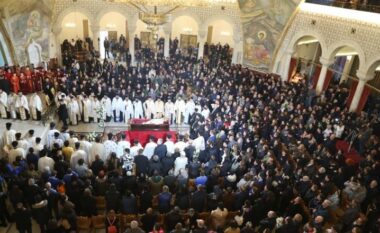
(348, 5)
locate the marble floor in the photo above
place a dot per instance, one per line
(24, 126)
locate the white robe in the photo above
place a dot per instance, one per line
(128, 114)
(12, 105)
(160, 108)
(179, 108)
(35, 104)
(149, 108)
(138, 108)
(205, 113)
(121, 146)
(189, 110)
(74, 113)
(3, 104)
(80, 104)
(9, 136)
(86, 110)
(95, 106)
(107, 107)
(118, 106)
(149, 149)
(169, 111)
(22, 106)
(96, 149)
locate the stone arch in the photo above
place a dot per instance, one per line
(178, 14)
(124, 12)
(333, 49)
(301, 34)
(372, 67)
(61, 16)
(228, 19)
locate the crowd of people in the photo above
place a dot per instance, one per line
(265, 150)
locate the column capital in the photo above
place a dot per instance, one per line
(363, 76)
(167, 29)
(325, 61)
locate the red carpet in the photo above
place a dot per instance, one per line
(352, 155)
(143, 136)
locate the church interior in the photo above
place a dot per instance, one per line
(190, 116)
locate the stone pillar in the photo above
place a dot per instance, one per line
(347, 69)
(201, 42)
(131, 32)
(96, 35)
(286, 65)
(236, 50)
(168, 32)
(358, 91)
(322, 76)
(58, 53)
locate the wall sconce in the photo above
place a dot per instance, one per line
(223, 33)
(187, 30)
(70, 25)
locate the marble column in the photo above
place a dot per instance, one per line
(131, 32)
(96, 34)
(286, 65)
(347, 69)
(237, 41)
(201, 42)
(358, 91)
(56, 31)
(322, 75)
(168, 32)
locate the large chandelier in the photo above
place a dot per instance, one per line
(153, 18)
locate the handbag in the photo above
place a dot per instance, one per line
(111, 228)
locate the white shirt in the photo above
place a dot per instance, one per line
(135, 150)
(9, 136)
(78, 154)
(149, 149)
(109, 147)
(179, 163)
(339, 130)
(45, 162)
(50, 137)
(199, 143)
(181, 145)
(38, 147)
(121, 146)
(96, 149)
(13, 153)
(170, 146)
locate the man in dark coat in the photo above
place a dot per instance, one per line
(23, 219)
(198, 199)
(160, 149)
(142, 163)
(63, 113)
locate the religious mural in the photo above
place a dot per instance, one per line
(29, 26)
(263, 22)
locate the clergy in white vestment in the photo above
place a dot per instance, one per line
(50, 135)
(118, 109)
(180, 163)
(12, 105)
(85, 145)
(160, 108)
(77, 154)
(107, 108)
(97, 148)
(180, 144)
(149, 108)
(9, 134)
(128, 110)
(205, 112)
(22, 106)
(35, 106)
(86, 109)
(169, 111)
(110, 146)
(135, 148)
(149, 148)
(179, 108)
(3, 104)
(30, 138)
(79, 99)
(189, 110)
(95, 106)
(199, 143)
(169, 145)
(73, 108)
(138, 108)
(122, 144)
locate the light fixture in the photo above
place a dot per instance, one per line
(70, 25)
(224, 33)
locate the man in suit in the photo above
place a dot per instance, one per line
(161, 149)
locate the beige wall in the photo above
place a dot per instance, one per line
(113, 22)
(73, 32)
(184, 25)
(222, 32)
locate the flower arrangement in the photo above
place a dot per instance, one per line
(100, 111)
